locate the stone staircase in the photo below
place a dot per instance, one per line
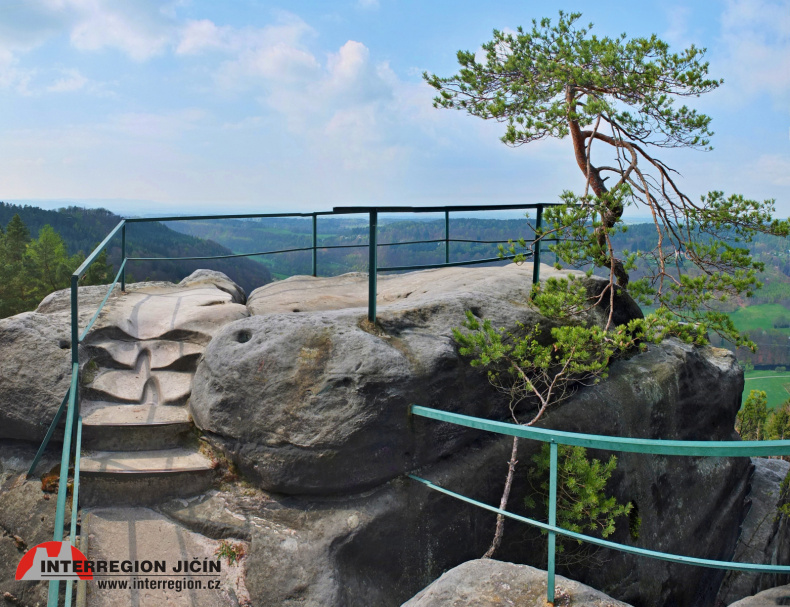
(139, 445)
(137, 432)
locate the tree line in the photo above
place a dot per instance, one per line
(81, 229)
(31, 268)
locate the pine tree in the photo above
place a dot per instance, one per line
(48, 254)
(750, 422)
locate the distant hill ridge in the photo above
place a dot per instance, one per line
(82, 229)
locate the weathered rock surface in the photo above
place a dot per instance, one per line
(489, 583)
(767, 598)
(35, 361)
(27, 518)
(764, 534)
(381, 547)
(192, 310)
(512, 282)
(140, 533)
(317, 402)
(376, 548)
(687, 505)
(35, 347)
(35, 372)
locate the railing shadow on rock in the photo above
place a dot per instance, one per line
(72, 442)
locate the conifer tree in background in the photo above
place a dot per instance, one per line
(750, 422)
(52, 264)
(30, 270)
(778, 424)
(17, 290)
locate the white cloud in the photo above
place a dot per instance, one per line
(71, 81)
(677, 34)
(12, 76)
(201, 35)
(756, 42)
(158, 126)
(138, 29)
(368, 4)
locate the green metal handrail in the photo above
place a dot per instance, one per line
(71, 404)
(607, 443)
(372, 245)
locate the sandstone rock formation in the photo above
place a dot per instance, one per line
(317, 402)
(773, 597)
(312, 406)
(27, 518)
(764, 534)
(687, 505)
(488, 583)
(313, 403)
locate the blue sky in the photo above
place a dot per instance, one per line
(146, 106)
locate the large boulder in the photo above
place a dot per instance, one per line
(773, 597)
(764, 534)
(318, 402)
(488, 583)
(27, 518)
(382, 546)
(35, 361)
(687, 505)
(511, 283)
(35, 373)
(378, 548)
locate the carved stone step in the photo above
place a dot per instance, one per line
(182, 355)
(114, 427)
(142, 477)
(136, 386)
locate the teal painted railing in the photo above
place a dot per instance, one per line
(72, 441)
(608, 443)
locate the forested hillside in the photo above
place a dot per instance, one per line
(765, 317)
(81, 230)
(247, 236)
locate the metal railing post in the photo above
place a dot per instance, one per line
(536, 247)
(447, 237)
(123, 258)
(552, 519)
(372, 266)
(315, 243)
(60, 508)
(75, 323)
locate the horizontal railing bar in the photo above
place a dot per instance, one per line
(393, 244)
(221, 256)
(497, 241)
(452, 208)
(81, 270)
(447, 265)
(235, 216)
(664, 556)
(321, 247)
(477, 241)
(104, 301)
(613, 443)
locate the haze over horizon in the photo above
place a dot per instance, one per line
(153, 107)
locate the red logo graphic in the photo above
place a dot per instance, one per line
(54, 561)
